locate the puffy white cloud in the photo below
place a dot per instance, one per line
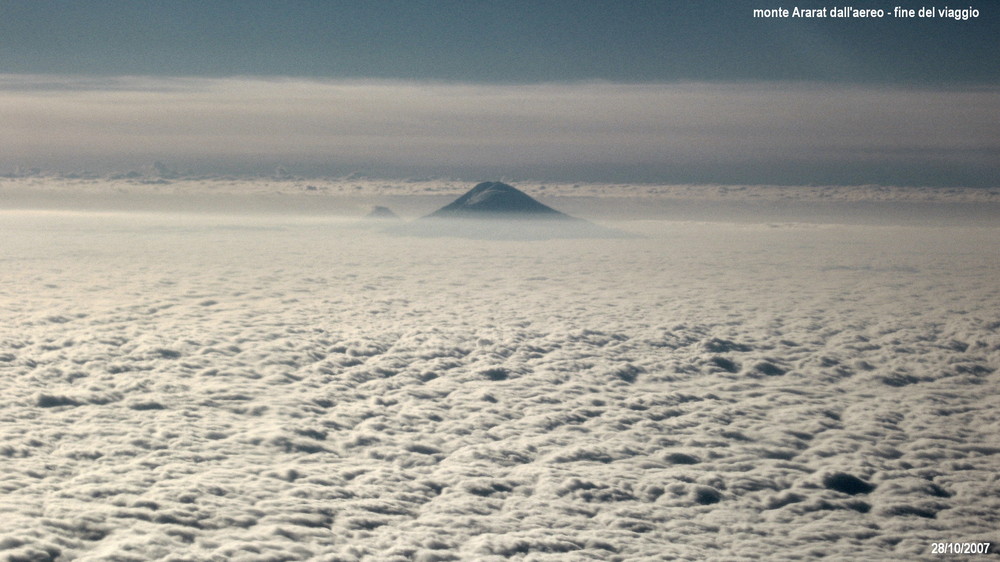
(256, 387)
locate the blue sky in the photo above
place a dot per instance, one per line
(496, 41)
(830, 70)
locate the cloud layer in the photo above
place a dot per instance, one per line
(175, 386)
(51, 120)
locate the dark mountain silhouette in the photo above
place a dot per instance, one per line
(381, 213)
(496, 211)
(496, 199)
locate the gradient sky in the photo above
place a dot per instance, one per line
(589, 90)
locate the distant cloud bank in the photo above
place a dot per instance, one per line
(727, 132)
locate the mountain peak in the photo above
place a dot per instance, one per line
(493, 210)
(494, 199)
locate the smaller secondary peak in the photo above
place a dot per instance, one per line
(379, 212)
(493, 198)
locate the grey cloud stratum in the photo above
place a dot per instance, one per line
(452, 124)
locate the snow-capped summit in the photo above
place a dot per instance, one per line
(498, 199)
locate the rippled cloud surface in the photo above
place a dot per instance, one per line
(196, 387)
